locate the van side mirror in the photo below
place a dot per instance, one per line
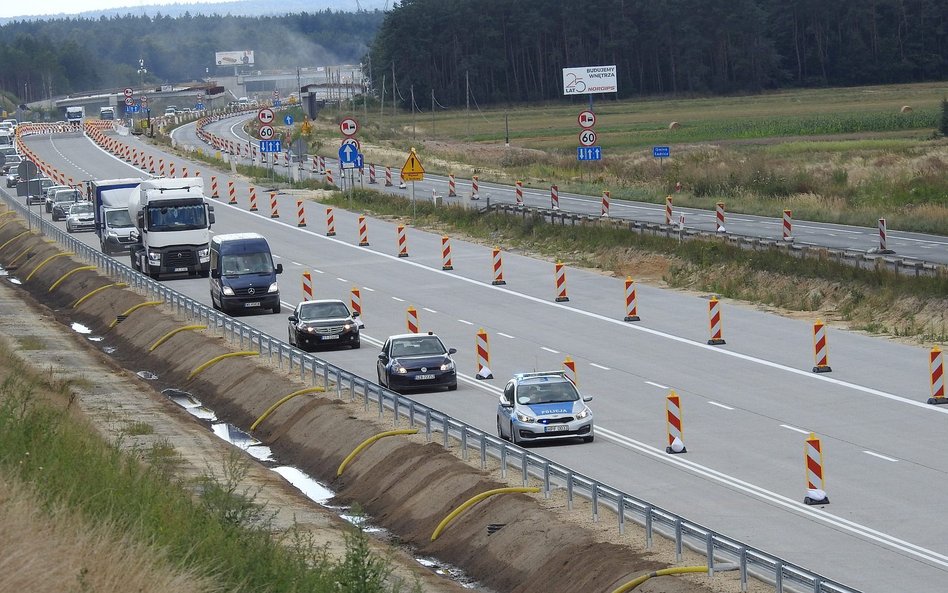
(279, 269)
(210, 219)
(215, 273)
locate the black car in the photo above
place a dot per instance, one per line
(416, 361)
(62, 201)
(323, 323)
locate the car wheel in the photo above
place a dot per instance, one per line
(68, 228)
(453, 387)
(357, 345)
(277, 309)
(589, 439)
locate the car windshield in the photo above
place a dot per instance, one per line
(246, 263)
(420, 346)
(118, 219)
(311, 311)
(546, 392)
(177, 218)
(66, 196)
(81, 209)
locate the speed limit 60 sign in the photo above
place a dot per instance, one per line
(266, 132)
(587, 138)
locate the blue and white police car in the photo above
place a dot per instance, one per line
(543, 406)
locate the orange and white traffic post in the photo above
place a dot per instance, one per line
(452, 187)
(883, 248)
(631, 306)
(274, 213)
(171, 169)
(300, 214)
(232, 192)
(372, 174)
(569, 369)
(604, 210)
(673, 427)
(554, 197)
(329, 177)
(214, 192)
(363, 232)
(498, 267)
(936, 370)
(719, 217)
(813, 458)
(151, 164)
(315, 168)
(820, 349)
(161, 167)
(474, 195)
(446, 253)
(788, 225)
(401, 240)
(184, 171)
(668, 210)
(519, 191)
(330, 223)
(482, 354)
(307, 286)
(253, 199)
(559, 278)
(411, 317)
(714, 320)
(355, 302)
(388, 177)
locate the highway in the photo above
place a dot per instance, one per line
(747, 405)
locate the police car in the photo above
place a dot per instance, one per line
(543, 406)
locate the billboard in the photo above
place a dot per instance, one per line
(234, 58)
(590, 79)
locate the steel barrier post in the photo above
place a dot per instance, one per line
(595, 501)
(648, 527)
(620, 508)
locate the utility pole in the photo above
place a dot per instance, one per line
(432, 112)
(412, 112)
(467, 97)
(382, 103)
(394, 86)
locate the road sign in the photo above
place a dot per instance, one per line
(360, 161)
(265, 116)
(26, 169)
(348, 127)
(354, 142)
(129, 101)
(129, 92)
(306, 127)
(199, 106)
(588, 153)
(132, 108)
(587, 119)
(413, 169)
(277, 103)
(661, 152)
(348, 154)
(144, 101)
(288, 120)
(271, 146)
(587, 137)
(266, 132)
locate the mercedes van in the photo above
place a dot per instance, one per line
(243, 277)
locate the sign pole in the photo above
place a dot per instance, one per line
(413, 207)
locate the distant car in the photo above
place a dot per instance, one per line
(81, 217)
(12, 178)
(40, 196)
(543, 406)
(416, 361)
(48, 194)
(11, 161)
(63, 200)
(323, 323)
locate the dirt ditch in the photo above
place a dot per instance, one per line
(404, 484)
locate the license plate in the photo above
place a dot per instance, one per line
(255, 304)
(332, 337)
(423, 377)
(556, 428)
(180, 269)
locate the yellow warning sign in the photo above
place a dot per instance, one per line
(413, 170)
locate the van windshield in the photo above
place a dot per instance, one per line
(246, 263)
(118, 219)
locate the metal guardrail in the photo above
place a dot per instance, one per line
(721, 552)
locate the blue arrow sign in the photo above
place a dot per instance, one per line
(288, 120)
(588, 153)
(359, 162)
(348, 154)
(661, 152)
(271, 146)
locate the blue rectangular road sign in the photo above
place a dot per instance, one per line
(132, 108)
(661, 152)
(588, 153)
(271, 146)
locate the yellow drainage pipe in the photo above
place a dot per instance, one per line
(98, 290)
(133, 309)
(13, 239)
(369, 441)
(165, 337)
(217, 359)
(474, 500)
(46, 261)
(659, 573)
(282, 401)
(67, 275)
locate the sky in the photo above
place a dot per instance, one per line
(13, 8)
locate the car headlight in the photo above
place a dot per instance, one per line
(525, 418)
(273, 288)
(399, 368)
(204, 252)
(311, 330)
(448, 366)
(583, 413)
(228, 291)
(154, 257)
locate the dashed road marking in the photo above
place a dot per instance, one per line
(398, 299)
(654, 384)
(549, 350)
(794, 429)
(465, 322)
(720, 405)
(429, 310)
(599, 366)
(505, 335)
(880, 456)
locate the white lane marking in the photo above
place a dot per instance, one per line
(429, 310)
(898, 238)
(820, 515)
(398, 299)
(368, 289)
(599, 366)
(505, 335)
(319, 271)
(549, 350)
(659, 385)
(277, 256)
(720, 405)
(794, 429)
(341, 279)
(465, 322)
(874, 454)
(296, 263)
(822, 229)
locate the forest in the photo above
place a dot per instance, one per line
(493, 51)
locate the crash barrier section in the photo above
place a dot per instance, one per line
(820, 348)
(482, 356)
(455, 434)
(631, 302)
(330, 223)
(446, 263)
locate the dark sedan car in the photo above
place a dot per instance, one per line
(62, 201)
(416, 361)
(323, 323)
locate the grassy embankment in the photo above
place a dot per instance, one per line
(87, 516)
